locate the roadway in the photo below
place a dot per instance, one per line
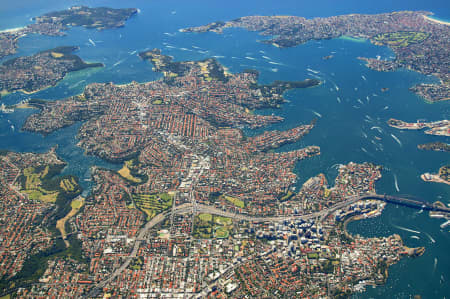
(139, 237)
(201, 208)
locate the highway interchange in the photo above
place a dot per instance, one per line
(196, 208)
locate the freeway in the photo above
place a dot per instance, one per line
(201, 208)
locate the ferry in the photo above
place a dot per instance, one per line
(445, 224)
(273, 62)
(316, 113)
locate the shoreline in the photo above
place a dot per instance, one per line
(24, 106)
(433, 178)
(405, 250)
(12, 30)
(4, 93)
(431, 19)
(353, 39)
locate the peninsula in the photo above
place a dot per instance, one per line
(420, 43)
(442, 177)
(201, 209)
(30, 74)
(55, 23)
(222, 100)
(439, 128)
(435, 146)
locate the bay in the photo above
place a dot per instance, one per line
(339, 131)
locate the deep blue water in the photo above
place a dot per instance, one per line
(339, 132)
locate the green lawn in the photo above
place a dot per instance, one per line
(236, 201)
(153, 204)
(401, 38)
(207, 226)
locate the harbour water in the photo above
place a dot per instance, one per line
(350, 107)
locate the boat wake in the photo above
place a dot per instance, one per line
(76, 84)
(119, 62)
(336, 166)
(406, 229)
(312, 71)
(396, 183)
(430, 237)
(380, 130)
(396, 139)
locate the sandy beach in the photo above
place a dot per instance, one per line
(436, 21)
(12, 30)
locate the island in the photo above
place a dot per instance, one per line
(438, 128)
(200, 206)
(442, 177)
(30, 74)
(419, 42)
(435, 146)
(55, 23)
